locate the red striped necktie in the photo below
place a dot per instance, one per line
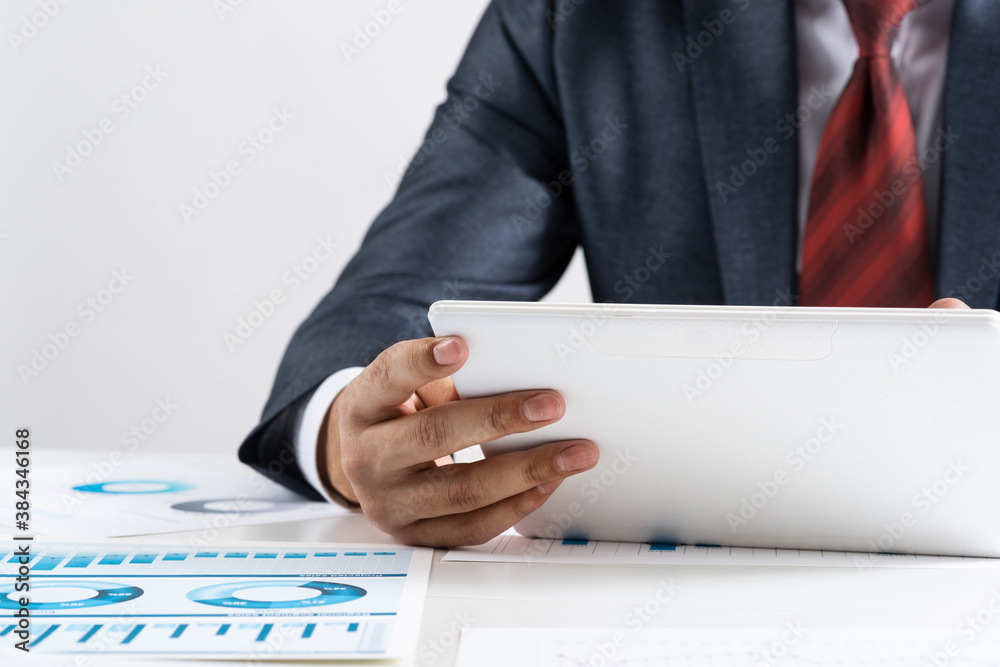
(866, 233)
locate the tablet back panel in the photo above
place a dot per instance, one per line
(840, 429)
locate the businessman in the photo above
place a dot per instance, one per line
(812, 152)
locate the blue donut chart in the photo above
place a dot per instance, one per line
(202, 506)
(162, 486)
(105, 593)
(223, 595)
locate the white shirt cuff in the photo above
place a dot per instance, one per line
(309, 421)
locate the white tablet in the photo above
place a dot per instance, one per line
(813, 428)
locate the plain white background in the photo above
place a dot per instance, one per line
(199, 77)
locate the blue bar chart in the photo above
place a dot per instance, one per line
(187, 637)
(245, 601)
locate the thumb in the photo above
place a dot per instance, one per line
(950, 304)
(438, 392)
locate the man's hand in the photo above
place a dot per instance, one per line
(387, 428)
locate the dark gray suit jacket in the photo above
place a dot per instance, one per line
(626, 127)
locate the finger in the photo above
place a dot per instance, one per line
(463, 488)
(412, 440)
(438, 392)
(476, 527)
(393, 377)
(951, 304)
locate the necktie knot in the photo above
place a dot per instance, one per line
(876, 22)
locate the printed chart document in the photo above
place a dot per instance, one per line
(513, 548)
(149, 494)
(241, 601)
(792, 644)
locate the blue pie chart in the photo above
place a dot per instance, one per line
(135, 487)
(224, 595)
(104, 593)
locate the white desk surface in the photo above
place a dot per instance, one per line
(536, 594)
(546, 595)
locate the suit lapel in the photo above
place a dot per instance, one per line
(969, 236)
(744, 81)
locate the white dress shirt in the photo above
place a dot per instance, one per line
(827, 51)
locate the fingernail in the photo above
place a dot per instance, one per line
(577, 457)
(540, 408)
(447, 352)
(548, 487)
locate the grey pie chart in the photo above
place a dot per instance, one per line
(236, 506)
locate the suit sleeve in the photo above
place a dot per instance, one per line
(472, 218)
